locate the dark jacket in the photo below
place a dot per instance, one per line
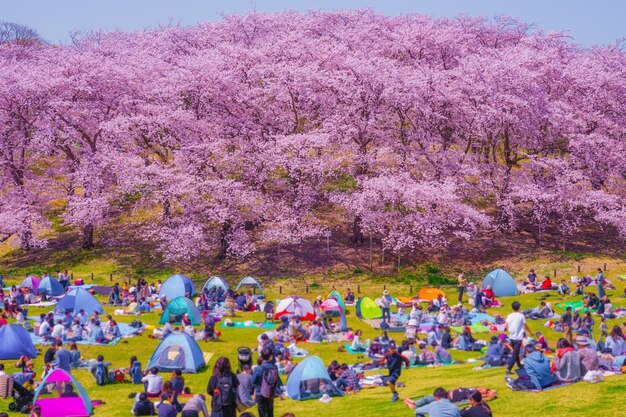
(144, 408)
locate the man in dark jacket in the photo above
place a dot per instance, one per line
(394, 361)
(143, 407)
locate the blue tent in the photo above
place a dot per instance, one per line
(15, 342)
(177, 286)
(215, 282)
(304, 380)
(78, 299)
(502, 284)
(179, 306)
(177, 351)
(250, 281)
(78, 406)
(50, 286)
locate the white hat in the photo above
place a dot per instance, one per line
(385, 292)
(412, 322)
(319, 297)
(325, 398)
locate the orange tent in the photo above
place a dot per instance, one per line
(429, 294)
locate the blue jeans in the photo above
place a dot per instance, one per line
(386, 313)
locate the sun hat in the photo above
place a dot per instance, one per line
(582, 341)
(319, 297)
(385, 292)
(325, 398)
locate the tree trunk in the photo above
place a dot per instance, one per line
(357, 233)
(223, 240)
(166, 209)
(25, 239)
(88, 237)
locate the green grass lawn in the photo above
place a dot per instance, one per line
(577, 400)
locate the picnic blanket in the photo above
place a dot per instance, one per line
(126, 329)
(375, 323)
(248, 324)
(576, 305)
(41, 304)
(475, 328)
(354, 352)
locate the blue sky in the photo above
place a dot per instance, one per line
(588, 22)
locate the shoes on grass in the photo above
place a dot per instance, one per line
(395, 397)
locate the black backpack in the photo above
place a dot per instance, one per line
(227, 391)
(269, 381)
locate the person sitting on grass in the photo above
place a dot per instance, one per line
(75, 356)
(477, 408)
(68, 391)
(425, 357)
(615, 341)
(546, 284)
(96, 335)
(394, 362)
(436, 405)
(143, 407)
(376, 349)
(347, 380)
(442, 355)
(563, 289)
(535, 375)
(588, 357)
(566, 365)
(357, 345)
(165, 407)
(493, 356)
(153, 383)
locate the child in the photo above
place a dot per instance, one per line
(394, 364)
(542, 343)
(604, 328)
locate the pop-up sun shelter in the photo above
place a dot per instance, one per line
(31, 282)
(250, 281)
(331, 305)
(305, 380)
(429, 294)
(50, 286)
(179, 306)
(15, 342)
(502, 284)
(367, 309)
(177, 351)
(215, 282)
(78, 299)
(177, 286)
(297, 306)
(79, 406)
(334, 294)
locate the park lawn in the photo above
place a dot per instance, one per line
(577, 400)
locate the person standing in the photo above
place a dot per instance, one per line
(516, 326)
(385, 306)
(266, 383)
(394, 361)
(223, 389)
(600, 283)
(462, 282)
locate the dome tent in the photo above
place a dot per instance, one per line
(15, 342)
(331, 305)
(177, 286)
(50, 286)
(367, 309)
(179, 306)
(78, 299)
(250, 281)
(31, 282)
(177, 351)
(215, 282)
(502, 284)
(296, 305)
(305, 379)
(79, 406)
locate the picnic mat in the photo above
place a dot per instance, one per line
(354, 352)
(126, 329)
(248, 325)
(576, 305)
(41, 304)
(475, 328)
(375, 323)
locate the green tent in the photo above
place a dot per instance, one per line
(334, 294)
(179, 306)
(367, 309)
